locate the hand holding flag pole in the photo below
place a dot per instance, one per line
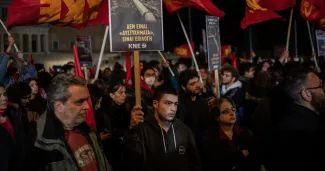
(163, 58)
(5, 28)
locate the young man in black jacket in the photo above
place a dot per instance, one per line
(161, 142)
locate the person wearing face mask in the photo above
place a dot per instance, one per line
(160, 141)
(148, 79)
(12, 136)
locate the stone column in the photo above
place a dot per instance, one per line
(46, 43)
(21, 40)
(39, 43)
(30, 47)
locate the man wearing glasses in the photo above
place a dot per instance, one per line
(299, 136)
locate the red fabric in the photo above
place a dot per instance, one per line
(257, 16)
(146, 87)
(224, 137)
(93, 70)
(8, 126)
(82, 150)
(184, 51)
(128, 66)
(312, 9)
(278, 4)
(57, 12)
(234, 59)
(15, 76)
(90, 117)
(206, 5)
(31, 61)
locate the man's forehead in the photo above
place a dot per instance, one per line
(170, 97)
(313, 79)
(195, 79)
(78, 92)
(149, 71)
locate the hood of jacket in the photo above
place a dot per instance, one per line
(236, 84)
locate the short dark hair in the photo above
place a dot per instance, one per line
(245, 67)
(146, 67)
(58, 90)
(66, 68)
(186, 76)
(114, 86)
(215, 107)
(95, 93)
(163, 89)
(294, 83)
(232, 70)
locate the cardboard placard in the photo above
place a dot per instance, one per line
(136, 25)
(213, 42)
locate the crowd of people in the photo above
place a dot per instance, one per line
(269, 117)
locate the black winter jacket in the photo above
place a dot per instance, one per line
(150, 148)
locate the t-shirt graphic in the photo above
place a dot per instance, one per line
(83, 152)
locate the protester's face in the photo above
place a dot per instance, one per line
(107, 73)
(73, 112)
(316, 89)
(193, 87)
(250, 73)
(181, 67)
(24, 101)
(119, 97)
(166, 107)
(149, 77)
(227, 114)
(227, 78)
(266, 66)
(156, 73)
(34, 87)
(204, 74)
(98, 104)
(3, 99)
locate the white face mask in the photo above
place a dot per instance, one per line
(150, 81)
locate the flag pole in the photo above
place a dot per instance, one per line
(101, 52)
(136, 60)
(289, 33)
(190, 46)
(5, 28)
(312, 46)
(250, 34)
(296, 40)
(163, 58)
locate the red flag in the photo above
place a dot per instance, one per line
(76, 14)
(184, 51)
(93, 70)
(128, 67)
(90, 117)
(206, 5)
(31, 61)
(256, 12)
(234, 59)
(312, 9)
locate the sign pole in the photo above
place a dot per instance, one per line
(216, 77)
(136, 60)
(312, 46)
(101, 52)
(289, 33)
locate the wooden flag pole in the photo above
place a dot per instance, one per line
(216, 77)
(136, 60)
(190, 47)
(312, 46)
(101, 52)
(5, 28)
(289, 32)
(163, 58)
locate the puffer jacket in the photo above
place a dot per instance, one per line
(51, 151)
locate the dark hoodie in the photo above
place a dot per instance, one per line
(149, 147)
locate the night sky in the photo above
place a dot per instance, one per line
(266, 35)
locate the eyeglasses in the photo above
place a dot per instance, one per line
(313, 88)
(227, 110)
